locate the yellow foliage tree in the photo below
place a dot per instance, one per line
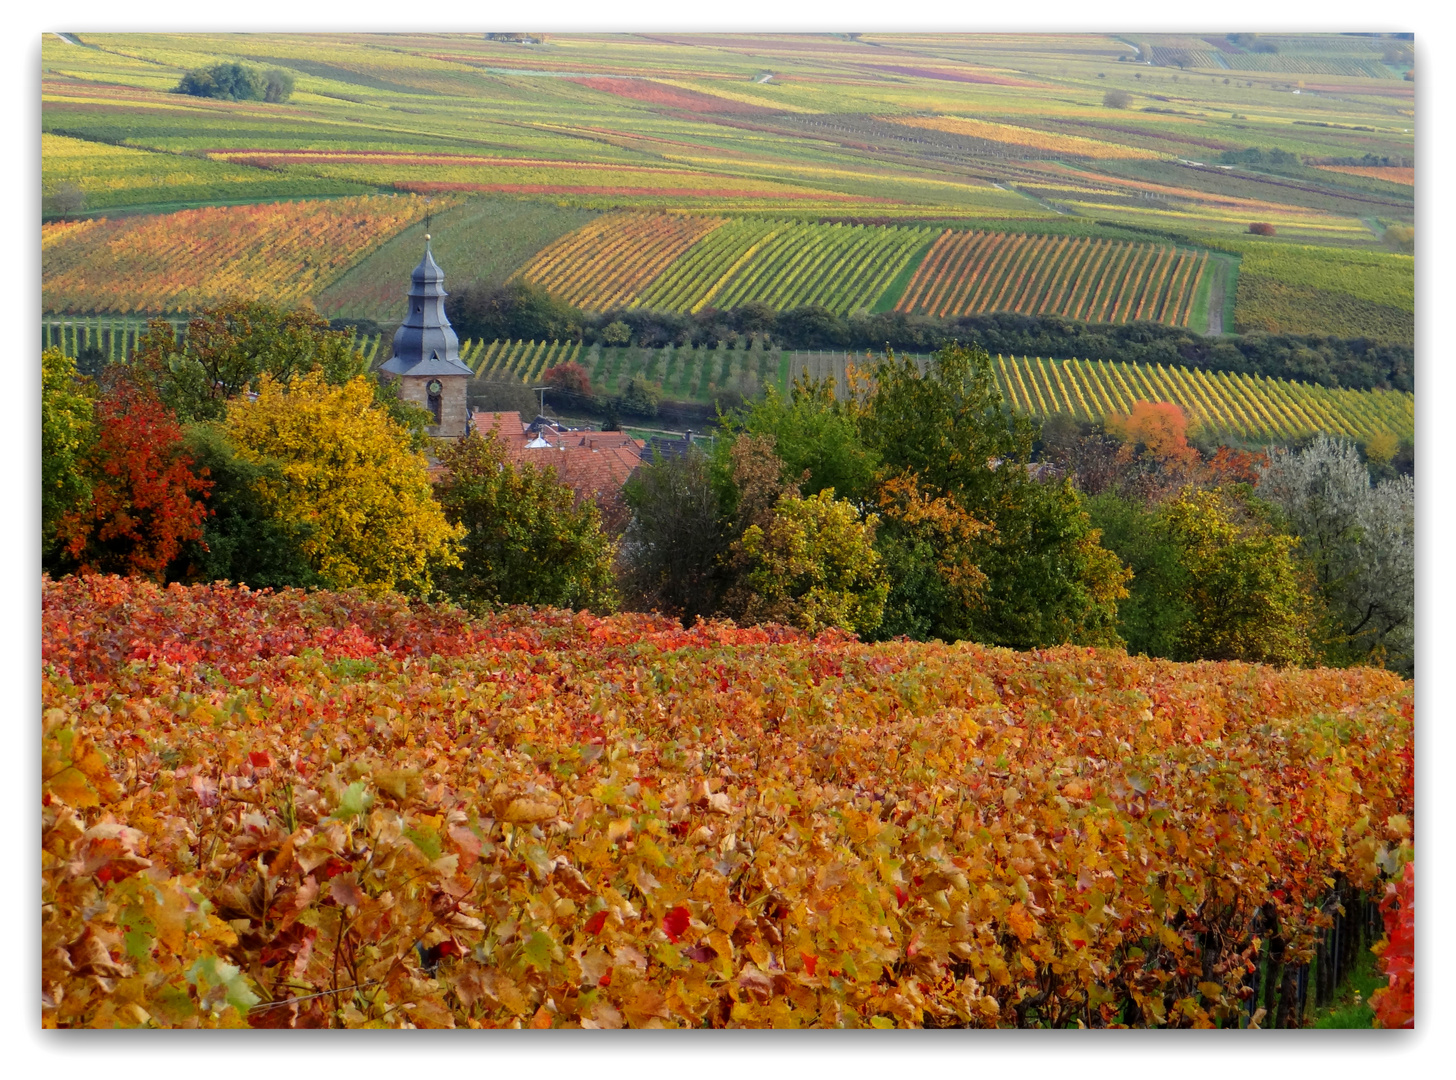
(816, 567)
(349, 479)
(1243, 585)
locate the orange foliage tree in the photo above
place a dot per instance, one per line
(1160, 426)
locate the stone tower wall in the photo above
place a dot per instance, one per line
(453, 412)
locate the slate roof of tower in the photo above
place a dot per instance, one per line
(425, 343)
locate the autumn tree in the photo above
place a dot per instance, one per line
(348, 475)
(1048, 580)
(1360, 539)
(570, 378)
(67, 431)
(1242, 584)
(145, 501)
(815, 566)
(1158, 428)
(526, 539)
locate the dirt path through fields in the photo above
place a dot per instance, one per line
(1215, 297)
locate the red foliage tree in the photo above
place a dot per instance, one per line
(146, 500)
(571, 377)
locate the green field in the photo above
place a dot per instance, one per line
(484, 240)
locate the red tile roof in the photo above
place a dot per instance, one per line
(595, 464)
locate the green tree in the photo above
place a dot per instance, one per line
(229, 81)
(673, 552)
(815, 566)
(640, 397)
(229, 348)
(1152, 617)
(527, 540)
(814, 435)
(347, 474)
(277, 85)
(1048, 579)
(67, 433)
(516, 310)
(242, 540)
(1243, 587)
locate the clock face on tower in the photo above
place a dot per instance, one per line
(433, 386)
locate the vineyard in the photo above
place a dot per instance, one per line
(682, 263)
(1247, 407)
(965, 273)
(280, 253)
(1226, 403)
(320, 810)
(1306, 290)
(684, 373)
(606, 262)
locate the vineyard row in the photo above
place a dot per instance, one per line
(965, 273)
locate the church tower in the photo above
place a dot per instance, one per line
(426, 358)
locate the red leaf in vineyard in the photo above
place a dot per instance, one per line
(675, 923)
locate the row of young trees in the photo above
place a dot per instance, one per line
(257, 450)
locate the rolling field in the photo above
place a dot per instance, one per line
(482, 239)
(109, 177)
(796, 168)
(966, 273)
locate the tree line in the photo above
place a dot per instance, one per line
(520, 311)
(258, 450)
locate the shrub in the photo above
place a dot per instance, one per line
(640, 398)
(1261, 228)
(570, 377)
